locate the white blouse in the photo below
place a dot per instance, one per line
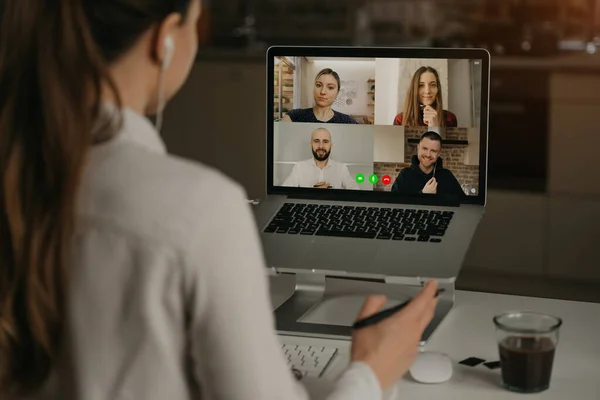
(169, 295)
(306, 174)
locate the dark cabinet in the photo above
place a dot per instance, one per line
(518, 134)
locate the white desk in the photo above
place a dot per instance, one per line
(469, 331)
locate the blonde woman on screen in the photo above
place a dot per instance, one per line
(423, 105)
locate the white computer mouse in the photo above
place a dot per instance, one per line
(431, 367)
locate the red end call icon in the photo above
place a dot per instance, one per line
(386, 180)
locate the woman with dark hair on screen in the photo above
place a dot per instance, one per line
(325, 91)
(127, 273)
(423, 105)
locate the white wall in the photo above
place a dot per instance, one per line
(387, 73)
(389, 143)
(352, 144)
(353, 75)
(472, 155)
(460, 92)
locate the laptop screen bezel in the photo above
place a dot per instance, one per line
(378, 52)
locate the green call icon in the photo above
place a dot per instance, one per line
(373, 179)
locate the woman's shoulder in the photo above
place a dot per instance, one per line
(200, 182)
(156, 194)
(449, 114)
(450, 118)
(398, 119)
(299, 114)
(343, 118)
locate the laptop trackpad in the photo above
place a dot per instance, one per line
(341, 254)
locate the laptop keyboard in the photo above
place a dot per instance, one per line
(310, 361)
(361, 222)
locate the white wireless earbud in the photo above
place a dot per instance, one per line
(169, 50)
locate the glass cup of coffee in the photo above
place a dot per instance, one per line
(527, 342)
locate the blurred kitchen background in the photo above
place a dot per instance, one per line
(542, 224)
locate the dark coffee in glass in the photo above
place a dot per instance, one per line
(527, 343)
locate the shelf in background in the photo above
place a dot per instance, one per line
(449, 141)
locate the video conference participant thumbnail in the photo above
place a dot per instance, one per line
(423, 105)
(321, 171)
(325, 90)
(426, 174)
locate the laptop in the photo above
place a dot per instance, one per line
(376, 170)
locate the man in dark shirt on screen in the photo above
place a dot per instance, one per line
(426, 174)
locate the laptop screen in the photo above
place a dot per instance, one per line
(396, 122)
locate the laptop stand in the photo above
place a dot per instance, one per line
(313, 290)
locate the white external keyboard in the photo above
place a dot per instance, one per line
(311, 361)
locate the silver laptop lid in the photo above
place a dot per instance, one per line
(343, 122)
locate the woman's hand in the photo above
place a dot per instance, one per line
(430, 116)
(390, 347)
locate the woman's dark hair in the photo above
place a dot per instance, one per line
(54, 58)
(411, 116)
(329, 71)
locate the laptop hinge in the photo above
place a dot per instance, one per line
(313, 276)
(312, 283)
(376, 197)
